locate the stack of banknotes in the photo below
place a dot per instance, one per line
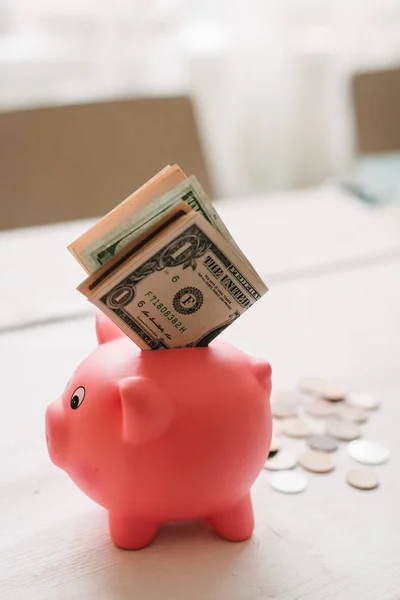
(163, 266)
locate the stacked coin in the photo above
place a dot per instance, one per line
(323, 415)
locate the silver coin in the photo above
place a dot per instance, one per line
(368, 452)
(322, 442)
(350, 413)
(333, 393)
(362, 400)
(316, 461)
(288, 482)
(289, 398)
(362, 479)
(281, 461)
(320, 408)
(296, 428)
(322, 388)
(281, 410)
(343, 430)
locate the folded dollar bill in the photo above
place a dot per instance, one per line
(170, 274)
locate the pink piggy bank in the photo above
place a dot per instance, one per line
(167, 435)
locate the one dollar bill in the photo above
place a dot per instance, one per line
(181, 290)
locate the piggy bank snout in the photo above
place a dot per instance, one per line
(56, 432)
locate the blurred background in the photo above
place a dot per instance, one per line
(273, 84)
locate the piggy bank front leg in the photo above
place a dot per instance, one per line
(235, 523)
(130, 533)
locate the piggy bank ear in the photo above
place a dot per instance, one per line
(106, 330)
(146, 410)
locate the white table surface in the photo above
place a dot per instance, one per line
(333, 310)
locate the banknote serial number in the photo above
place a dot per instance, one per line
(164, 311)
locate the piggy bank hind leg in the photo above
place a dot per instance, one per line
(130, 533)
(235, 523)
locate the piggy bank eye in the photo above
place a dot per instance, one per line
(77, 397)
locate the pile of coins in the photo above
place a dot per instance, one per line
(324, 415)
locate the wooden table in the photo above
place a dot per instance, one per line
(333, 309)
